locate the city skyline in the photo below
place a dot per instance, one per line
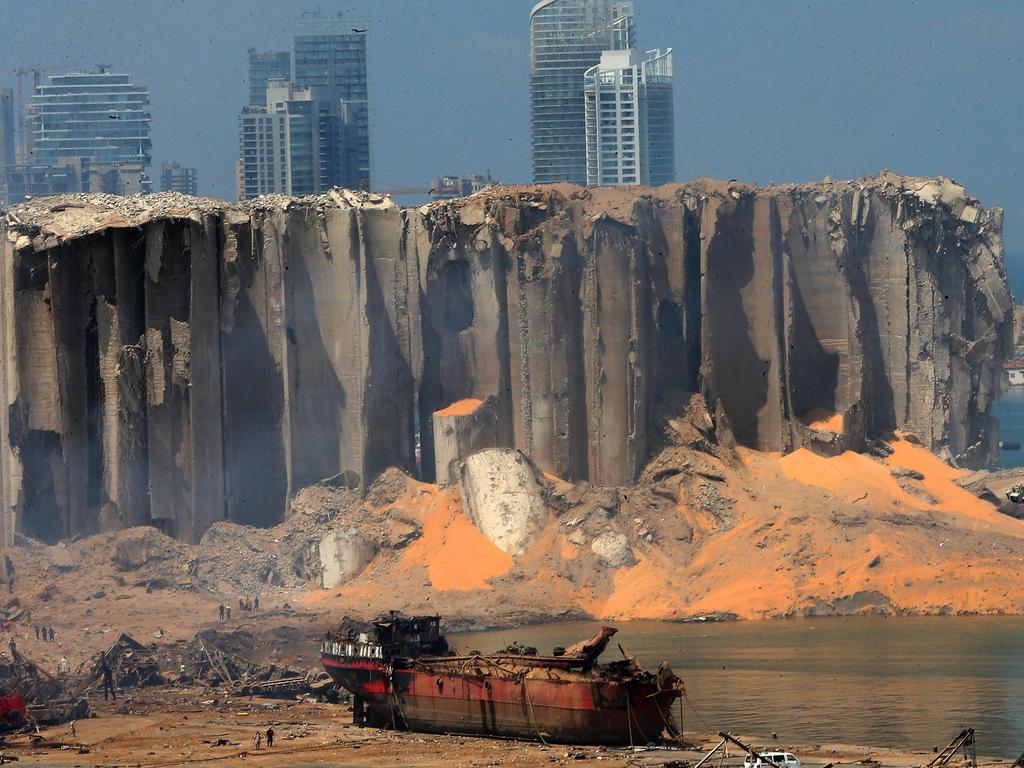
(567, 38)
(821, 99)
(306, 127)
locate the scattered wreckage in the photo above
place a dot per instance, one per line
(30, 694)
(403, 675)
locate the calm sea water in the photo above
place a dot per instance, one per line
(907, 682)
(1009, 409)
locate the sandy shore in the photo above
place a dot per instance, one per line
(183, 726)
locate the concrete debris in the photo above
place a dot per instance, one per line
(613, 549)
(184, 361)
(502, 496)
(343, 556)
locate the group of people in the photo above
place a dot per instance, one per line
(46, 634)
(257, 739)
(251, 604)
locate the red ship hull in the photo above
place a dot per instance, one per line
(547, 703)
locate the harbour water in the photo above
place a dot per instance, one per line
(906, 682)
(1009, 409)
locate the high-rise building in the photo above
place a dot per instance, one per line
(294, 145)
(450, 187)
(328, 54)
(630, 123)
(6, 138)
(567, 38)
(263, 67)
(176, 178)
(98, 118)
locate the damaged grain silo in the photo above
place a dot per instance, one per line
(178, 361)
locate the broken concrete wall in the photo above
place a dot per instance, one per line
(179, 361)
(459, 431)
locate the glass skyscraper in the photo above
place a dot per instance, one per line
(263, 67)
(567, 37)
(329, 55)
(630, 121)
(96, 116)
(292, 145)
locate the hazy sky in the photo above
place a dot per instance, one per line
(765, 91)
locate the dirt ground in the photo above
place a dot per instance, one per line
(172, 727)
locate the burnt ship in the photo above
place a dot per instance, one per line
(403, 675)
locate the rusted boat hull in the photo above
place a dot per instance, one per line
(538, 707)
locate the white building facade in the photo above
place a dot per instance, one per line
(630, 126)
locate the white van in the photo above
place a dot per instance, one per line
(772, 760)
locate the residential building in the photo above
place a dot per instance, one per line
(75, 174)
(176, 178)
(567, 37)
(629, 118)
(263, 67)
(450, 187)
(295, 145)
(100, 117)
(329, 55)
(6, 138)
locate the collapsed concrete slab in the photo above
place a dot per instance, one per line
(501, 492)
(343, 556)
(178, 361)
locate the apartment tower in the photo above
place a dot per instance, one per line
(328, 54)
(97, 122)
(567, 38)
(629, 119)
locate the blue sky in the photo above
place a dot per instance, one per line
(765, 91)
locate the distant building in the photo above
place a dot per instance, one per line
(74, 175)
(629, 118)
(1015, 372)
(449, 187)
(567, 38)
(294, 145)
(328, 54)
(264, 67)
(101, 117)
(6, 139)
(24, 181)
(89, 132)
(176, 178)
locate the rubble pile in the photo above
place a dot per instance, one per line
(133, 665)
(185, 362)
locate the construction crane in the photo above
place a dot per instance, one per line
(387, 188)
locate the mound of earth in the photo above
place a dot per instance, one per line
(711, 530)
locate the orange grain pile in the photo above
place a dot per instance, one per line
(457, 556)
(823, 419)
(852, 476)
(462, 407)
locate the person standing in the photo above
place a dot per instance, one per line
(257, 739)
(220, 611)
(9, 569)
(36, 628)
(108, 681)
(256, 608)
(227, 613)
(270, 737)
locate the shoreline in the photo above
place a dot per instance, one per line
(173, 725)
